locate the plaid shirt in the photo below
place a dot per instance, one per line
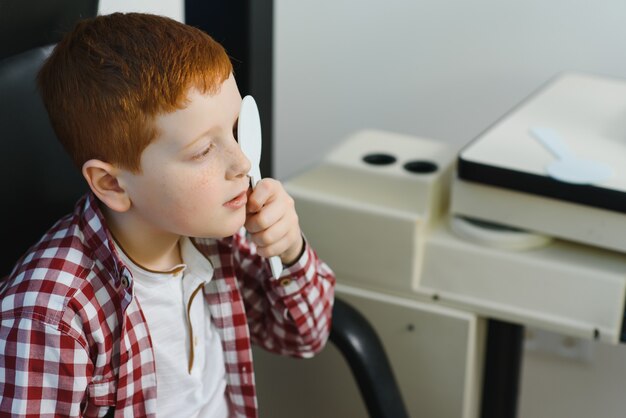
(74, 340)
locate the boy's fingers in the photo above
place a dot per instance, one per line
(291, 241)
(271, 219)
(261, 220)
(259, 196)
(268, 236)
(269, 245)
(274, 249)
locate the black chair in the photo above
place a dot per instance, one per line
(40, 183)
(360, 345)
(37, 177)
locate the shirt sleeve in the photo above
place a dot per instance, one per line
(43, 371)
(290, 315)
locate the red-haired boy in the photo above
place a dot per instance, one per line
(147, 297)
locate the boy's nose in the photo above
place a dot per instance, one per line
(240, 163)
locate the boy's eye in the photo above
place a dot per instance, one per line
(203, 153)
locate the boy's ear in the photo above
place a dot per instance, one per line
(104, 182)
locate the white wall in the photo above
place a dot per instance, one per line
(441, 69)
(445, 69)
(170, 8)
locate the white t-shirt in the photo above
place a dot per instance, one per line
(191, 378)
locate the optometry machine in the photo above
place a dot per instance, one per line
(525, 224)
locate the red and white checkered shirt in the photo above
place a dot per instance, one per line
(74, 341)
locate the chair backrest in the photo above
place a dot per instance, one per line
(38, 180)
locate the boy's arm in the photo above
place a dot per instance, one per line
(43, 371)
(290, 315)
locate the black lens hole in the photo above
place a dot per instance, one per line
(421, 167)
(379, 159)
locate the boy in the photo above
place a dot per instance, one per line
(147, 297)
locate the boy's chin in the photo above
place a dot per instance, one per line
(223, 232)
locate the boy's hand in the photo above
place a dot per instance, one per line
(272, 221)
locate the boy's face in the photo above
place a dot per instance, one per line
(194, 175)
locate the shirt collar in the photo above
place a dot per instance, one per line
(197, 264)
(100, 241)
(144, 271)
(97, 236)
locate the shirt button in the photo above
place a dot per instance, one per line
(125, 282)
(195, 341)
(285, 282)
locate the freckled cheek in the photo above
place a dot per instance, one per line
(179, 212)
(205, 178)
(182, 194)
(168, 193)
(196, 193)
(203, 188)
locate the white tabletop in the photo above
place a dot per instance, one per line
(587, 111)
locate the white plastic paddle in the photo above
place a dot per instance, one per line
(250, 141)
(567, 167)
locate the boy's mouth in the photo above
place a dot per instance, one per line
(238, 201)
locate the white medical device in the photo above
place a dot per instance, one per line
(488, 229)
(525, 225)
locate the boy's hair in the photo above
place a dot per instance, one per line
(111, 75)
